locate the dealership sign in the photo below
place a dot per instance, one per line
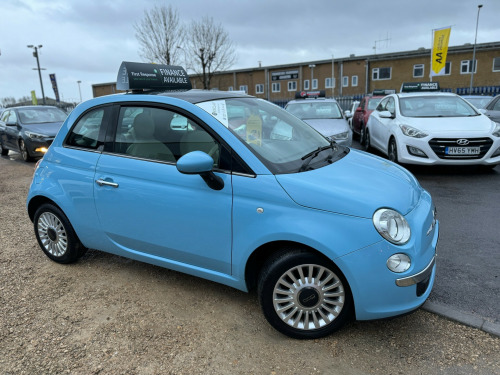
(285, 75)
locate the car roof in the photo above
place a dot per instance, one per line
(423, 93)
(329, 100)
(195, 96)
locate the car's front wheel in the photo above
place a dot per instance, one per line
(3, 151)
(392, 151)
(56, 236)
(24, 151)
(365, 137)
(303, 295)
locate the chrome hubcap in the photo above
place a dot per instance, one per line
(52, 234)
(308, 297)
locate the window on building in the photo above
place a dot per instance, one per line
(276, 87)
(259, 88)
(306, 84)
(292, 85)
(447, 69)
(496, 64)
(466, 67)
(244, 88)
(329, 83)
(418, 70)
(354, 81)
(315, 84)
(345, 81)
(230, 88)
(381, 73)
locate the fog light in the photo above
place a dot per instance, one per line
(41, 149)
(399, 263)
(496, 153)
(416, 152)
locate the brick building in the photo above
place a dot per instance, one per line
(358, 75)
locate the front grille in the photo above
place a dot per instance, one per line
(439, 145)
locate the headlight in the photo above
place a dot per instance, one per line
(496, 129)
(35, 136)
(412, 132)
(399, 263)
(343, 135)
(392, 226)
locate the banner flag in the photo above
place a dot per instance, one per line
(440, 51)
(54, 86)
(33, 98)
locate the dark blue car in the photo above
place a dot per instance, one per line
(29, 129)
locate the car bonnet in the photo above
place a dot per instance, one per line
(453, 126)
(49, 129)
(329, 126)
(356, 185)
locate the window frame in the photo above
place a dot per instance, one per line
(376, 71)
(259, 88)
(306, 84)
(276, 87)
(244, 88)
(345, 81)
(468, 64)
(314, 84)
(329, 83)
(292, 85)
(493, 66)
(354, 81)
(418, 67)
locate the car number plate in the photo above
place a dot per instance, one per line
(462, 150)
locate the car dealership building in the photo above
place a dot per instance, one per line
(355, 76)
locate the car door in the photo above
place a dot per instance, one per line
(375, 123)
(10, 132)
(493, 109)
(358, 116)
(149, 210)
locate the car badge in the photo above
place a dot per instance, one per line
(463, 141)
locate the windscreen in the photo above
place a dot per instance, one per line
(435, 106)
(315, 110)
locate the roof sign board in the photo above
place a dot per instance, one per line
(419, 86)
(310, 94)
(383, 92)
(142, 76)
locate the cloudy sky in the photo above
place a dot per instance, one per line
(86, 40)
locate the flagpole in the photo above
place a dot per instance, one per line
(432, 46)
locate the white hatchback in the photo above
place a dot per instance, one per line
(433, 128)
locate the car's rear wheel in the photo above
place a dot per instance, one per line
(56, 236)
(392, 151)
(303, 295)
(24, 151)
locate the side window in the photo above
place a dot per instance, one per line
(85, 133)
(390, 106)
(12, 117)
(160, 134)
(5, 116)
(382, 104)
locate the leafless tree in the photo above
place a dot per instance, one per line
(160, 35)
(209, 48)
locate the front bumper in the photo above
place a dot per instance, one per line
(419, 277)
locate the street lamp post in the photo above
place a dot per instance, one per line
(35, 54)
(80, 90)
(474, 51)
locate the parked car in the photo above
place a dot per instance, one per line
(323, 232)
(362, 113)
(492, 110)
(324, 115)
(29, 129)
(478, 101)
(349, 113)
(432, 128)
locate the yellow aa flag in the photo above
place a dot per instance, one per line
(33, 98)
(440, 50)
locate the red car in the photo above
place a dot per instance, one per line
(360, 116)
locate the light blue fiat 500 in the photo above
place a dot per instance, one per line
(234, 189)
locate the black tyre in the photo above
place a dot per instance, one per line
(24, 151)
(3, 151)
(392, 151)
(56, 236)
(365, 137)
(303, 295)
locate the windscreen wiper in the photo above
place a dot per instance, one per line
(311, 155)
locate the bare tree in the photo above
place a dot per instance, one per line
(210, 49)
(161, 35)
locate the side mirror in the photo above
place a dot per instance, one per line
(483, 110)
(386, 114)
(347, 114)
(199, 162)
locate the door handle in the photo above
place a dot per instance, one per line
(101, 182)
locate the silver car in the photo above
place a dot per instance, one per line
(324, 115)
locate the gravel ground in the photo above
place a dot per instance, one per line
(110, 315)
